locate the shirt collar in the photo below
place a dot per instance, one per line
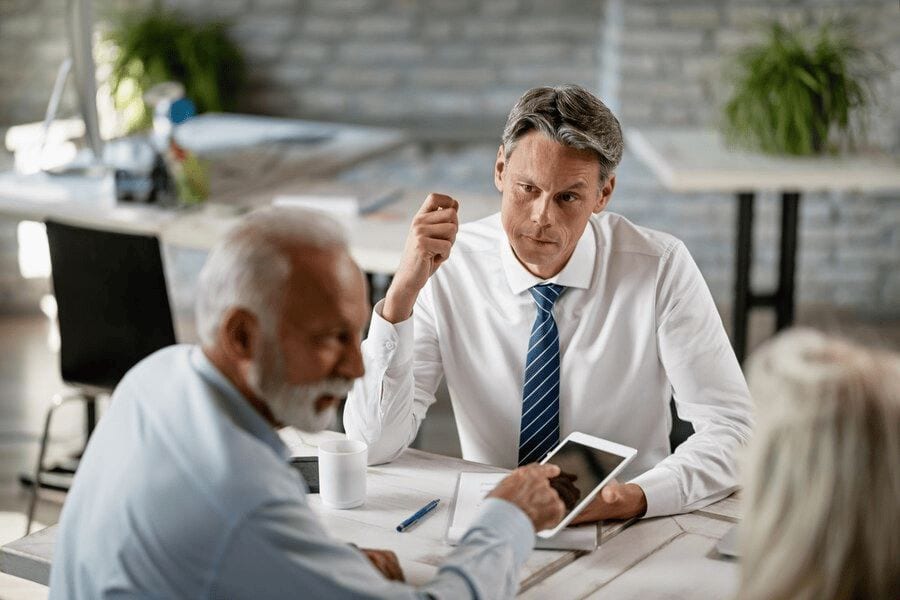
(236, 405)
(577, 272)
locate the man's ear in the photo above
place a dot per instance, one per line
(606, 191)
(239, 334)
(499, 167)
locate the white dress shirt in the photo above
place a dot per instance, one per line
(636, 324)
(186, 492)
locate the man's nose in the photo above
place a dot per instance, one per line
(351, 365)
(540, 209)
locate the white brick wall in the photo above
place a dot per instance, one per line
(448, 68)
(670, 73)
(673, 54)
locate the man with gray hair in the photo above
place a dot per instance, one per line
(554, 316)
(185, 490)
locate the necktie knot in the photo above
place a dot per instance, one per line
(546, 294)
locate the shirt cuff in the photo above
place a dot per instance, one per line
(510, 523)
(392, 341)
(662, 491)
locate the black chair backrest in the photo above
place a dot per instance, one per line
(112, 303)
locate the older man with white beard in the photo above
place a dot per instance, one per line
(185, 490)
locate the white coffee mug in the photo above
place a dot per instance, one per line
(342, 473)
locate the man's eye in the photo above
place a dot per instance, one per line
(568, 197)
(527, 188)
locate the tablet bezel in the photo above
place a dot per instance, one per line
(590, 441)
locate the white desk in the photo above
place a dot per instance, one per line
(245, 179)
(627, 558)
(664, 558)
(698, 160)
(233, 174)
(376, 239)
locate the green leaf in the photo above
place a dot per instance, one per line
(162, 45)
(796, 87)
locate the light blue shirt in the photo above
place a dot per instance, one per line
(185, 492)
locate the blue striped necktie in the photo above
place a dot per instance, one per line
(539, 432)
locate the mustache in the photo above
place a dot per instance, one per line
(337, 387)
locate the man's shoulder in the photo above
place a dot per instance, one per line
(168, 360)
(181, 416)
(617, 234)
(163, 374)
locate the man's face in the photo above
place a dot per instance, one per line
(549, 193)
(310, 366)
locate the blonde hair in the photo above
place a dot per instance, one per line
(822, 495)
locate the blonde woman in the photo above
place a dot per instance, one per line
(822, 488)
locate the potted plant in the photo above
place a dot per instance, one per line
(160, 46)
(799, 92)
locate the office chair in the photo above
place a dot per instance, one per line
(113, 310)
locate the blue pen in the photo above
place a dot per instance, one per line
(419, 514)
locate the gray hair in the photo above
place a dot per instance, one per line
(823, 473)
(573, 117)
(249, 266)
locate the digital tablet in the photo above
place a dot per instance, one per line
(587, 463)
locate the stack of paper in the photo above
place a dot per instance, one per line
(471, 490)
(214, 133)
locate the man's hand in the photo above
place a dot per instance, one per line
(615, 501)
(529, 488)
(428, 244)
(564, 484)
(386, 562)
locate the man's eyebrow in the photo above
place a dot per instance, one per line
(581, 183)
(577, 185)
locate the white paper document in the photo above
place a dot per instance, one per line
(471, 490)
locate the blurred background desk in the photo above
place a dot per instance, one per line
(699, 160)
(248, 178)
(237, 170)
(376, 239)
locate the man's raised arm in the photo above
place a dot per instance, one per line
(403, 363)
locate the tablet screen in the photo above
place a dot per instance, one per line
(589, 466)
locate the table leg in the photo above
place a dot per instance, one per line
(743, 258)
(784, 298)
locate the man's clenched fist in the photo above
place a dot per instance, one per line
(428, 244)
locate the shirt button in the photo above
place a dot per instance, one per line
(389, 345)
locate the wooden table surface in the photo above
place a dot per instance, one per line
(651, 558)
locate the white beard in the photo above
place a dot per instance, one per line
(293, 405)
